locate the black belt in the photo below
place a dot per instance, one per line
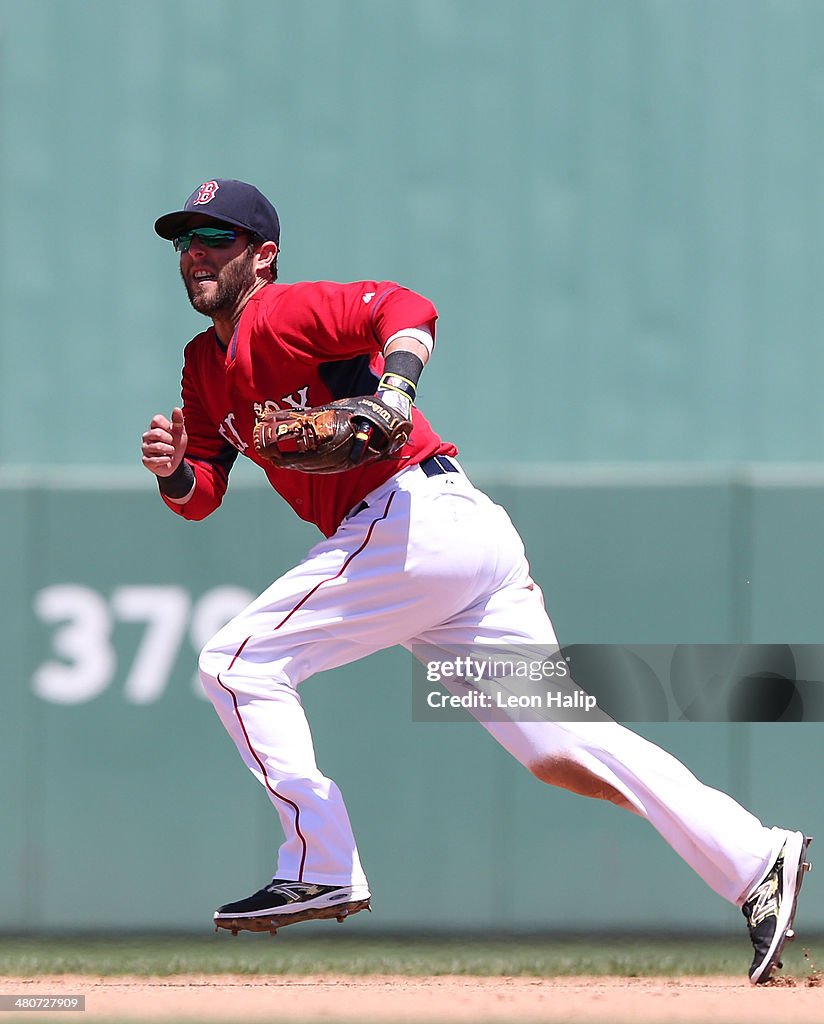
(435, 465)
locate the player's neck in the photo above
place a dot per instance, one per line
(225, 325)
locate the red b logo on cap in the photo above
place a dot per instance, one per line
(206, 193)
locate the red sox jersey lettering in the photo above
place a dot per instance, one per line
(298, 400)
(227, 430)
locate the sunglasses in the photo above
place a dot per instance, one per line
(213, 238)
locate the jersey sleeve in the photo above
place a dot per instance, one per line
(207, 452)
(328, 320)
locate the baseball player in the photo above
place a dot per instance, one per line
(411, 554)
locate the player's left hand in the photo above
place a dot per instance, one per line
(331, 438)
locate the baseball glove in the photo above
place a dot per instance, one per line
(331, 438)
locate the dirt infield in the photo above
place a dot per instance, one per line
(721, 1000)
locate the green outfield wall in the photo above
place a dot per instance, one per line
(125, 806)
(615, 204)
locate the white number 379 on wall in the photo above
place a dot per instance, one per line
(85, 657)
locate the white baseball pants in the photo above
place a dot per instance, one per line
(433, 561)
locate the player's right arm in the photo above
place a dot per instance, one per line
(187, 454)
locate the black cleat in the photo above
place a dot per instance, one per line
(770, 909)
(283, 902)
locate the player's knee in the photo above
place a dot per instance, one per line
(567, 773)
(209, 664)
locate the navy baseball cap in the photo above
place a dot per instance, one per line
(230, 202)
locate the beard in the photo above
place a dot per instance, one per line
(233, 280)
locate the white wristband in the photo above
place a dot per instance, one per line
(421, 334)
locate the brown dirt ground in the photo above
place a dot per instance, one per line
(719, 1000)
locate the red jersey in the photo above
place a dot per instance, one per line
(297, 345)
